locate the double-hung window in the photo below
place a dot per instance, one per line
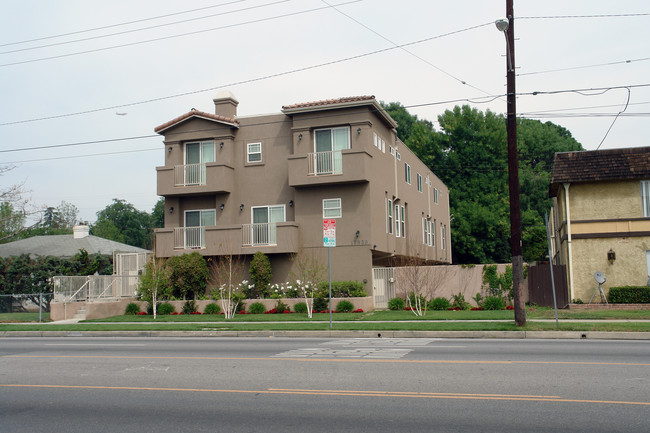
(645, 197)
(253, 152)
(428, 232)
(443, 237)
(407, 173)
(389, 216)
(400, 221)
(328, 144)
(332, 208)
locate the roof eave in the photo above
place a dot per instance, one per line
(337, 105)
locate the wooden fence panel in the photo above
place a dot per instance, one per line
(540, 289)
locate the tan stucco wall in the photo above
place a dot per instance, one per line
(604, 200)
(590, 255)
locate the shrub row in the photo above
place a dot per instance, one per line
(457, 302)
(629, 295)
(165, 308)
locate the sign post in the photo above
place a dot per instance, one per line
(329, 241)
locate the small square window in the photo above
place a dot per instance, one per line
(332, 208)
(254, 152)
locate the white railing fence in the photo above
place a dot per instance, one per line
(259, 234)
(189, 175)
(94, 287)
(189, 237)
(325, 163)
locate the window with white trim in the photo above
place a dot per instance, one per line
(403, 221)
(407, 173)
(332, 208)
(645, 197)
(435, 195)
(391, 149)
(418, 176)
(426, 230)
(443, 237)
(199, 152)
(253, 152)
(397, 221)
(389, 216)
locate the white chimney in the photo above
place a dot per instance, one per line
(80, 232)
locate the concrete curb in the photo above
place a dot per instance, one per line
(555, 335)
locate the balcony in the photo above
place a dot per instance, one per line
(194, 179)
(329, 168)
(228, 239)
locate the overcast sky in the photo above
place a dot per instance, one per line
(102, 71)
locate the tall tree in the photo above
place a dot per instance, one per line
(469, 155)
(122, 222)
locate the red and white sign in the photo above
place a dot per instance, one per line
(329, 233)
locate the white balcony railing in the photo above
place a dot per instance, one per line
(189, 175)
(189, 238)
(259, 234)
(321, 163)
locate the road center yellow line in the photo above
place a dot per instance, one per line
(344, 393)
(405, 361)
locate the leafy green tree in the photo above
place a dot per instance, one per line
(469, 155)
(122, 222)
(11, 221)
(158, 214)
(188, 274)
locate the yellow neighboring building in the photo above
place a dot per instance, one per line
(601, 218)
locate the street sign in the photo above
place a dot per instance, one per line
(329, 233)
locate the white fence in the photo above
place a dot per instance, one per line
(189, 237)
(325, 163)
(189, 175)
(259, 234)
(94, 287)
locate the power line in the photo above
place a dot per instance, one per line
(251, 80)
(84, 156)
(548, 17)
(584, 66)
(404, 49)
(118, 24)
(143, 28)
(478, 100)
(162, 38)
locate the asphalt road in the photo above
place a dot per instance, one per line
(323, 385)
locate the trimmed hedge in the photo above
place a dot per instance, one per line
(343, 289)
(629, 295)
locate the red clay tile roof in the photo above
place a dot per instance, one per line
(325, 102)
(600, 165)
(196, 113)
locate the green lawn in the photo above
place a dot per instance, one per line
(306, 326)
(22, 317)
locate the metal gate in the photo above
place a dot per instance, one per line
(383, 286)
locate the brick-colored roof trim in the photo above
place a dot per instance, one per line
(326, 102)
(599, 166)
(196, 113)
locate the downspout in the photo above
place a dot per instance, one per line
(568, 233)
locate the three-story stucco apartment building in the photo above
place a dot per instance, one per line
(237, 185)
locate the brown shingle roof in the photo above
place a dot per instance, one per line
(326, 102)
(600, 165)
(196, 113)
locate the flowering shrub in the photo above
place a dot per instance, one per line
(142, 313)
(476, 308)
(510, 307)
(358, 310)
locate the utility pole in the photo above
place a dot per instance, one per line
(513, 168)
